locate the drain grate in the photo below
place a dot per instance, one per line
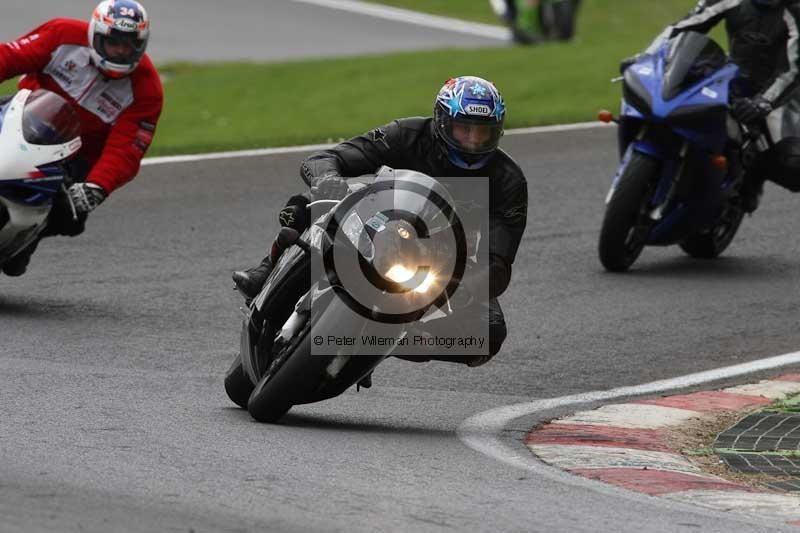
(763, 432)
(763, 443)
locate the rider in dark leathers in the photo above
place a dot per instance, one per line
(421, 144)
(764, 42)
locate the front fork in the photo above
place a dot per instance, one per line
(657, 213)
(665, 192)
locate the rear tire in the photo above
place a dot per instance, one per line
(711, 243)
(238, 384)
(623, 234)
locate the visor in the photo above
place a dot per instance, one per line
(117, 42)
(474, 137)
(48, 119)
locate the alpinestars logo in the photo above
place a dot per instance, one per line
(286, 218)
(378, 135)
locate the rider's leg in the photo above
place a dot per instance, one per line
(295, 216)
(487, 317)
(781, 163)
(529, 20)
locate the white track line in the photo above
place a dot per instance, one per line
(482, 431)
(260, 152)
(414, 17)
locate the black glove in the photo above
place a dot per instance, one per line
(627, 62)
(749, 110)
(330, 188)
(85, 197)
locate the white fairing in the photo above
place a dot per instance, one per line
(18, 159)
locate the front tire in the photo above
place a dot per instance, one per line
(711, 243)
(287, 381)
(238, 384)
(624, 231)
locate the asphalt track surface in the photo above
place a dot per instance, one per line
(113, 415)
(252, 30)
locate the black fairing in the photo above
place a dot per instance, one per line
(692, 58)
(636, 94)
(4, 216)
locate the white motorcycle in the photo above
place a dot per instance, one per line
(39, 131)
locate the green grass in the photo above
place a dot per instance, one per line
(233, 106)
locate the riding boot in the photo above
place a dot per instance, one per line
(17, 265)
(250, 281)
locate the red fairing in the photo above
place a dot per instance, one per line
(118, 117)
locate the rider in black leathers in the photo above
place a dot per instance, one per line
(763, 42)
(423, 145)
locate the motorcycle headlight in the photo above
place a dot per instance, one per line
(402, 275)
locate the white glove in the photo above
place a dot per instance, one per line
(86, 196)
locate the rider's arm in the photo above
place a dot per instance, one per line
(360, 155)
(507, 220)
(705, 15)
(787, 81)
(31, 52)
(131, 135)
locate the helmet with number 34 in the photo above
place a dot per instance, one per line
(118, 34)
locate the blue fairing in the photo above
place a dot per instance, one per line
(710, 92)
(685, 128)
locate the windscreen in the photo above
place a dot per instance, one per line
(692, 57)
(48, 119)
(403, 215)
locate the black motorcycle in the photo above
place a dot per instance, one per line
(297, 338)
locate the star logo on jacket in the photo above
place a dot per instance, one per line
(378, 135)
(70, 65)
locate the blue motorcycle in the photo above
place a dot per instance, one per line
(683, 155)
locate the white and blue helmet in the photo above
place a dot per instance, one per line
(118, 21)
(469, 106)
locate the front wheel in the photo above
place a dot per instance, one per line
(625, 226)
(283, 385)
(238, 384)
(711, 243)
